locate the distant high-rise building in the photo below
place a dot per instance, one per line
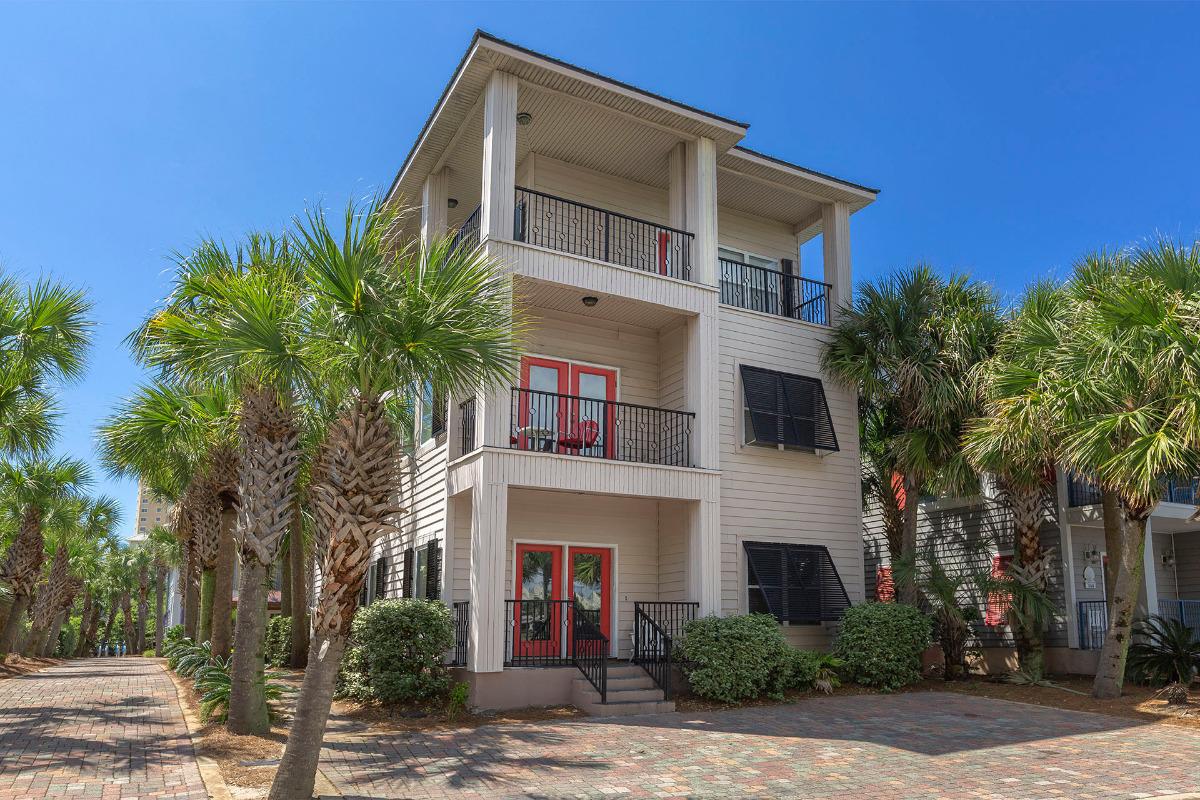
(152, 511)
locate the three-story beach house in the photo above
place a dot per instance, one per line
(670, 447)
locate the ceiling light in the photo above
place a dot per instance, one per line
(590, 301)
(524, 118)
(452, 202)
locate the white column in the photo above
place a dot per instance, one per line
(1150, 576)
(835, 240)
(499, 155)
(677, 186)
(489, 523)
(433, 205)
(701, 193)
(704, 555)
(1068, 560)
(702, 387)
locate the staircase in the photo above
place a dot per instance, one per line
(630, 691)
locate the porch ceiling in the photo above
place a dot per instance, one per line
(534, 294)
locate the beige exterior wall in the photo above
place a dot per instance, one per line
(1187, 565)
(785, 496)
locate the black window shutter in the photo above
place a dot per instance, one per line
(438, 417)
(381, 578)
(787, 409)
(433, 571)
(797, 582)
(407, 586)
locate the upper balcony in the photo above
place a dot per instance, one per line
(1082, 492)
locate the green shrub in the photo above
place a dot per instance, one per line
(398, 653)
(732, 659)
(279, 641)
(65, 647)
(456, 703)
(172, 635)
(880, 644)
(810, 669)
(213, 684)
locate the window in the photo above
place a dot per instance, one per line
(422, 573)
(786, 411)
(433, 412)
(745, 287)
(794, 582)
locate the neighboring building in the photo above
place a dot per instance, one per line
(975, 534)
(152, 511)
(671, 447)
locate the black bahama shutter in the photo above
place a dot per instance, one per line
(433, 571)
(407, 586)
(794, 582)
(785, 409)
(381, 578)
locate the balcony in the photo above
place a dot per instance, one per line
(550, 422)
(582, 230)
(1082, 492)
(773, 292)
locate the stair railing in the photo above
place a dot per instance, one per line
(589, 649)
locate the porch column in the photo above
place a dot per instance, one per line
(704, 555)
(433, 205)
(1062, 508)
(499, 156)
(1149, 570)
(701, 387)
(700, 177)
(677, 186)
(489, 524)
(835, 240)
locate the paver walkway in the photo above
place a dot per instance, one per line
(96, 728)
(925, 745)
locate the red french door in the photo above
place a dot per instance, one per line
(589, 581)
(539, 613)
(550, 422)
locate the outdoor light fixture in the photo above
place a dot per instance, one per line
(452, 202)
(1091, 554)
(590, 301)
(1168, 558)
(524, 118)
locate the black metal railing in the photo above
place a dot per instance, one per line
(773, 292)
(467, 234)
(466, 421)
(462, 632)
(1081, 492)
(1093, 624)
(1186, 611)
(583, 230)
(582, 426)
(1186, 492)
(589, 649)
(657, 631)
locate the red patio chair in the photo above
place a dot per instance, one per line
(582, 436)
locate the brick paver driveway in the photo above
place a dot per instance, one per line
(926, 745)
(95, 728)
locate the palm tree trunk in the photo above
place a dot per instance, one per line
(300, 634)
(127, 614)
(270, 452)
(50, 646)
(84, 616)
(907, 592)
(112, 618)
(208, 581)
(12, 626)
(285, 579)
(1110, 672)
(91, 626)
(354, 504)
(191, 601)
(249, 714)
(1026, 507)
(40, 620)
(143, 608)
(297, 773)
(160, 622)
(1114, 523)
(222, 625)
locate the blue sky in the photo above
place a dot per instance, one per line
(1008, 139)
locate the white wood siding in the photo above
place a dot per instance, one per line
(785, 496)
(1187, 565)
(598, 189)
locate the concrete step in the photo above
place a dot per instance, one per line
(589, 695)
(625, 709)
(625, 670)
(643, 681)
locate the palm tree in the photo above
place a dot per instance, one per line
(1015, 438)
(166, 554)
(32, 486)
(378, 321)
(232, 318)
(1131, 398)
(180, 440)
(908, 343)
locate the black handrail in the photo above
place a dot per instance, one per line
(774, 292)
(468, 233)
(657, 629)
(1083, 492)
(589, 649)
(572, 227)
(466, 417)
(462, 632)
(1093, 624)
(583, 426)
(536, 632)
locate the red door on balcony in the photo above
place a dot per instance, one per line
(548, 421)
